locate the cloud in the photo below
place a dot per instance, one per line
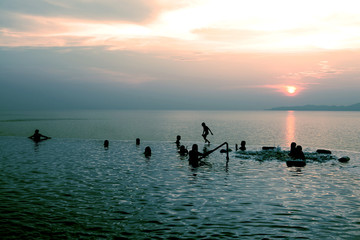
(323, 70)
(104, 10)
(160, 25)
(117, 76)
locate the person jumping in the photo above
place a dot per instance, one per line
(206, 131)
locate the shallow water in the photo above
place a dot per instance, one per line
(74, 188)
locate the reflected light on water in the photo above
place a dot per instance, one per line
(290, 128)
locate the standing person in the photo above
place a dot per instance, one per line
(206, 131)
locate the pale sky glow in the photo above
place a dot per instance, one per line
(268, 26)
(222, 46)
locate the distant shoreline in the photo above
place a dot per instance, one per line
(354, 107)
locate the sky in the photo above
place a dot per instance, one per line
(184, 54)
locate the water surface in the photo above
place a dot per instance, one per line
(71, 187)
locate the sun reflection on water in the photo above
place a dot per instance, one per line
(290, 128)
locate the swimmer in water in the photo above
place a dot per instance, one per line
(243, 148)
(183, 151)
(178, 138)
(147, 152)
(106, 144)
(37, 137)
(292, 152)
(299, 154)
(194, 155)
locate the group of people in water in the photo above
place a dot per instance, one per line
(296, 151)
(194, 155)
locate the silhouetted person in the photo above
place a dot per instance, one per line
(183, 151)
(178, 138)
(37, 137)
(147, 152)
(292, 152)
(299, 154)
(138, 141)
(106, 144)
(242, 147)
(194, 155)
(206, 131)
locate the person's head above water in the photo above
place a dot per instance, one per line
(178, 138)
(243, 148)
(183, 150)
(195, 147)
(147, 151)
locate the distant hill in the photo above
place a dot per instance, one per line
(354, 107)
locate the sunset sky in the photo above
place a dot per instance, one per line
(184, 54)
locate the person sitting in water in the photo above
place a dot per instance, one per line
(242, 147)
(147, 152)
(299, 154)
(37, 137)
(183, 151)
(292, 149)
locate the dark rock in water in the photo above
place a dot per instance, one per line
(268, 148)
(324, 151)
(295, 163)
(344, 159)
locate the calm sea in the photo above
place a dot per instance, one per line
(70, 187)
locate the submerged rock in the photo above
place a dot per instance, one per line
(324, 151)
(268, 148)
(344, 159)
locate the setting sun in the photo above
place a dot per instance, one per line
(291, 90)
